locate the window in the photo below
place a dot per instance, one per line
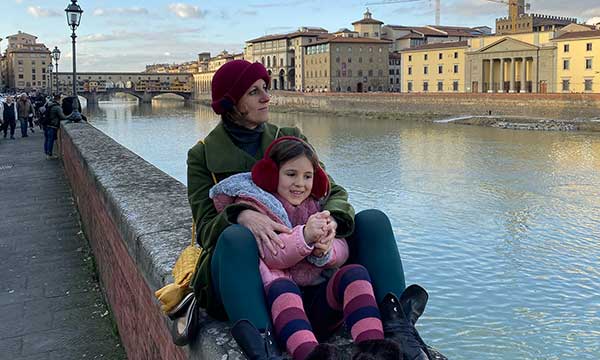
(409, 86)
(397, 80)
(440, 56)
(370, 72)
(588, 47)
(360, 60)
(455, 69)
(566, 64)
(440, 86)
(370, 59)
(425, 70)
(565, 85)
(20, 76)
(370, 49)
(456, 54)
(391, 81)
(281, 62)
(410, 70)
(440, 69)
(588, 84)
(425, 56)
(409, 57)
(32, 77)
(455, 86)
(366, 34)
(349, 60)
(338, 73)
(425, 86)
(337, 59)
(588, 64)
(566, 48)
(360, 73)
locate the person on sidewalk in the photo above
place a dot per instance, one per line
(9, 115)
(55, 116)
(24, 112)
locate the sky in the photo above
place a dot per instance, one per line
(126, 35)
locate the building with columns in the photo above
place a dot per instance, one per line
(511, 65)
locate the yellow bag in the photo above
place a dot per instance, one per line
(183, 271)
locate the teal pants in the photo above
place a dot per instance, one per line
(237, 282)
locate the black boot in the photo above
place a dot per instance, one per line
(254, 344)
(399, 318)
(384, 349)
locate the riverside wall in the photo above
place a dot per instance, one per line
(137, 220)
(550, 106)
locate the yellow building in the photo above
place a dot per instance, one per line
(578, 57)
(26, 63)
(207, 67)
(438, 67)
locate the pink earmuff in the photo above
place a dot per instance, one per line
(265, 172)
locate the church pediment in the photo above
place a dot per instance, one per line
(507, 45)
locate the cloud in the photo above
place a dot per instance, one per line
(186, 11)
(247, 12)
(593, 21)
(591, 12)
(114, 11)
(18, 1)
(292, 3)
(37, 11)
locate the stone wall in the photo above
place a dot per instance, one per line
(137, 220)
(551, 106)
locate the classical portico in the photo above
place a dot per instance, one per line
(510, 66)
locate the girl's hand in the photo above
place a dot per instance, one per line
(325, 243)
(264, 230)
(314, 228)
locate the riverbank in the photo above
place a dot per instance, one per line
(549, 112)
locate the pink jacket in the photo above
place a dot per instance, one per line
(290, 262)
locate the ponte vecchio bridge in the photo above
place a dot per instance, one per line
(94, 86)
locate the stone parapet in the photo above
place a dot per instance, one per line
(137, 220)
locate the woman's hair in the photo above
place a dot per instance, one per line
(233, 115)
(287, 150)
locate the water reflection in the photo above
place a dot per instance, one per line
(500, 226)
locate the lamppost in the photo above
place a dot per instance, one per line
(73, 17)
(56, 57)
(50, 68)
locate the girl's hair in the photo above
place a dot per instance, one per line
(287, 150)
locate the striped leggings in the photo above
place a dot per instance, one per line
(302, 317)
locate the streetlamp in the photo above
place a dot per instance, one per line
(56, 57)
(73, 17)
(50, 68)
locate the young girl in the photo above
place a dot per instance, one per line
(308, 289)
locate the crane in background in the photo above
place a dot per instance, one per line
(437, 6)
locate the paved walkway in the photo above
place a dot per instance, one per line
(50, 300)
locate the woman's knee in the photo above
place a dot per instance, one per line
(237, 241)
(371, 216)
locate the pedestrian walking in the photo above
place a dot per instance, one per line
(25, 113)
(9, 117)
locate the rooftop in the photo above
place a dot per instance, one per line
(578, 35)
(441, 45)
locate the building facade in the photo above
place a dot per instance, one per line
(26, 63)
(578, 57)
(207, 66)
(438, 67)
(282, 55)
(344, 64)
(395, 68)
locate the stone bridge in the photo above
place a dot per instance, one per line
(145, 86)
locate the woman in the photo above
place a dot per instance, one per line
(227, 282)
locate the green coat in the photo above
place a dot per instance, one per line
(218, 155)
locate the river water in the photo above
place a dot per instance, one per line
(502, 227)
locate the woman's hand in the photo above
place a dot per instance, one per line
(264, 230)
